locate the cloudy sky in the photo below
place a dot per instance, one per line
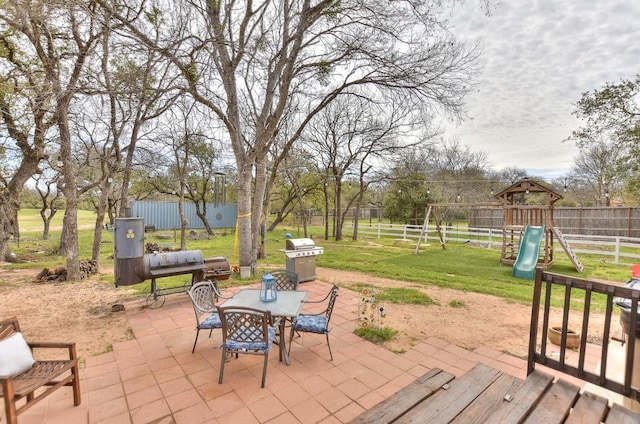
(539, 57)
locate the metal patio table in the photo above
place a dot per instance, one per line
(288, 305)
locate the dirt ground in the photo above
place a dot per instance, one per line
(82, 312)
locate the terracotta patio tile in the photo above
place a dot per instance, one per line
(212, 390)
(370, 399)
(353, 388)
(105, 394)
(150, 412)
(135, 371)
(512, 360)
(139, 383)
(225, 404)
(267, 408)
(168, 374)
(183, 399)
(174, 386)
(105, 358)
(332, 400)
(109, 409)
(309, 411)
(350, 412)
(142, 397)
(242, 415)
(203, 377)
(100, 381)
(291, 394)
(130, 359)
(314, 384)
(286, 418)
(195, 366)
(108, 368)
(123, 418)
(194, 414)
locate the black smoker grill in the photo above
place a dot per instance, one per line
(131, 266)
(301, 258)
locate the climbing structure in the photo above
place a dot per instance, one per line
(517, 215)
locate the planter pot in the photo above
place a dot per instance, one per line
(573, 337)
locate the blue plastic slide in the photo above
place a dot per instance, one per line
(525, 266)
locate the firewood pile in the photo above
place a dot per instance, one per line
(155, 247)
(88, 267)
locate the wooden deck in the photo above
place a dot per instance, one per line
(487, 395)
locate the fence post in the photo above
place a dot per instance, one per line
(379, 229)
(404, 232)
(617, 255)
(444, 234)
(489, 244)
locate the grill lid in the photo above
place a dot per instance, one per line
(624, 303)
(300, 244)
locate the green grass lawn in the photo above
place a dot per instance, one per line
(459, 267)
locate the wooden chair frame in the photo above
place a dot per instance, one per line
(51, 374)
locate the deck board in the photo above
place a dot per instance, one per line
(620, 415)
(590, 408)
(555, 404)
(525, 398)
(406, 398)
(489, 396)
(485, 405)
(445, 405)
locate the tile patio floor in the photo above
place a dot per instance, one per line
(156, 379)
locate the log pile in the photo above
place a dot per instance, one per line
(155, 247)
(87, 268)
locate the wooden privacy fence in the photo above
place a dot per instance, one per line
(620, 221)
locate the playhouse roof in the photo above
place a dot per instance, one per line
(526, 185)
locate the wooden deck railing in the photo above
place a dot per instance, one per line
(548, 284)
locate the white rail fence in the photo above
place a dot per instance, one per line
(623, 249)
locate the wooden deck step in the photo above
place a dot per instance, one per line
(556, 404)
(406, 398)
(523, 399)
(590, 408)
(620, 415)
(448, 403)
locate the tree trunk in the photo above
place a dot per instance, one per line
(97, 230)
(244, 234)
(70, 191)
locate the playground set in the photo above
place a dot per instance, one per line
(529, 231)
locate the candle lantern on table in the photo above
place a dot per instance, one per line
(268, 290)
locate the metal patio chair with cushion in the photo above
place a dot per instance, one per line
(22, 376)
(204, 296)
(245, 331)
(317, 323)
(285, 280)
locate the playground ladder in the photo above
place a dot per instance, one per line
(567, 248)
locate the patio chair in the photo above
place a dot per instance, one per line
(285, 280)
(316, 323)
(204, 296)
(246, 331)
(21, 376)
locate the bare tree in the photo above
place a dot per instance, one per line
(46, 185)
(597, 173)
(350, 138)
(247, 62)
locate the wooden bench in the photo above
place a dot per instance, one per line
(487, 395)
(48, 375)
